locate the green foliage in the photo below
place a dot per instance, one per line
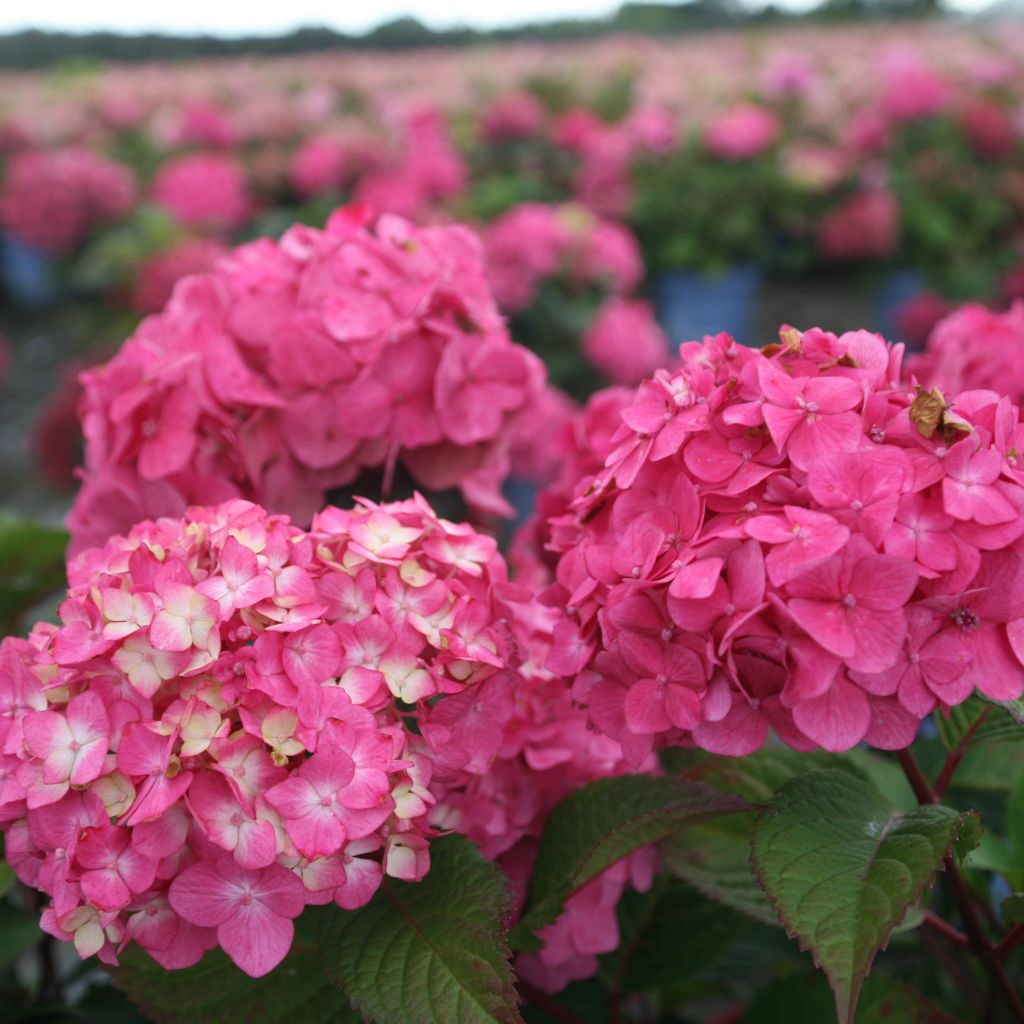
(429, 952)
(666, 936)
(598, 825)
(31, 567)
(842, 867)
(215, 991)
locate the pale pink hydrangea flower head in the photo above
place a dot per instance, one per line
(236, 719)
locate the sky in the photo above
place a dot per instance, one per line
(234, 16)
(230, 17)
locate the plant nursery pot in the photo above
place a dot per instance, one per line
(27, 274)
(691, 304)
(893, 291)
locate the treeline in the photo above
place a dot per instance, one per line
(34, 48)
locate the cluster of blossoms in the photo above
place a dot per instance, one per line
(793, 539)
(975, 347)
(624, 341)
(237, 718)
(54, 199)
(156, 276)
(295, 365)
(865, 226)
(534, 242)
(421, 168)
(204, 191)
(743, 132)
(547, 751)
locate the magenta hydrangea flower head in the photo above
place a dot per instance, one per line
(237, 718)
(293, 366)
(547, 750)
(54, 199)
(791, 539)
(536, 241)
(204, 191)
(975, 347)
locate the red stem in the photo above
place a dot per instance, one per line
(978, 943)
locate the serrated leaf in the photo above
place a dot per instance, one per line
(429, 952)
(842, 868)
(667, 935)
(596, 826)
(715, 859)
(215, 991)
(31, 566)
(980, 722)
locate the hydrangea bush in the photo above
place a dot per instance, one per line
(758, 662)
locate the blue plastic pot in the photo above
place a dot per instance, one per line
(893, 292)
(691, 304)
(27, 274)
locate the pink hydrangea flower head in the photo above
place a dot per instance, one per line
(777, 540)
(742, 133)
(156, 276)
(864, 226)
(975, 348)
(237, 718)
(292, 367)
(54, 199)
(205, 191)
(624, 341)
(533, 242)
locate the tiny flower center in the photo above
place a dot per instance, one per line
(246, 899)
(849, 601)
(661, 679)
(967, 620)
(856, 505)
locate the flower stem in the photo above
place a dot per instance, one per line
(978, 943)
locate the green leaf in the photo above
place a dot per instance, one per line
(19, 932)
(980, 721)
(1015, 818)
(796, 999)
(215, 991)
(715, 859)
(596, 826)
(31, 566)
(842, 868)
(888, 1001)
(667, 935)
(428, 952)
(7, 877)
